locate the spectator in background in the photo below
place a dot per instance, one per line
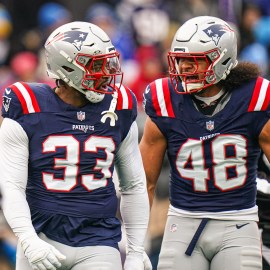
(257, 54)
(150, 24)
(50, 16)
(254, 37)
(6, 28)
(263, 5)
(150, 68)
(24, 65)
(250, 15)
(5, 32)
(104, 16)
(261, 31)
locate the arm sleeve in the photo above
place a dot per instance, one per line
(134, 204)
(263, 185)
(13, 177)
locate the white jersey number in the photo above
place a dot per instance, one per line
(70, 163)
(192, 153)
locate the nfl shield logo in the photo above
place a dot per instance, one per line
(81, 115)
(210, 125)
(173, 228)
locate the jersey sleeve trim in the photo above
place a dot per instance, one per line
(26, 97)
(124, 101)
(161, 98)
(261, 96)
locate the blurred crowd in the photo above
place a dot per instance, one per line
(142, 31)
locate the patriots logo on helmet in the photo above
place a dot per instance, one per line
(74, 37)
(216, 32)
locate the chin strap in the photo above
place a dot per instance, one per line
(110, 113)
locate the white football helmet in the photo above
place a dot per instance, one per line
(82, 55)
(202, 38)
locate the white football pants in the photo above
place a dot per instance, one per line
(222, 245)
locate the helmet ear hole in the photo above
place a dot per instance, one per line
(226, 61)
(68, 69)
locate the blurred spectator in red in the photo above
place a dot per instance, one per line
(27, 67)
(150, 68)
(24, 65)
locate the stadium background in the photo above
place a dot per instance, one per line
(142, 31)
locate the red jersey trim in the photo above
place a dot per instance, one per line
(261, 96)
(161, 98)
(124, 101)
(26, 97)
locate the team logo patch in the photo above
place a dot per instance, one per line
(81, 115)
(6, 103)
(210, 125)
(173, 228)
(216, 32)
(83, 128)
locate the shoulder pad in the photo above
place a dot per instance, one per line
(158, 98)
(261, 96)
(19, 99)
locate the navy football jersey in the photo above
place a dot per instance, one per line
(71, 161)
(213, 159)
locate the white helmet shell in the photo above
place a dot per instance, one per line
(205, 36)
(82, 55)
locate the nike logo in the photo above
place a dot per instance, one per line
(240, 226)
(8, 91)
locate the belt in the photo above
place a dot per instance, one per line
(196, 236)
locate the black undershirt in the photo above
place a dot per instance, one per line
(204, 108)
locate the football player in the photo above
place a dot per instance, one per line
(58, 149)
(212, 119)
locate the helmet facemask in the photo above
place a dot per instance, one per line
(202, 38)
(100, 71)
(197, 78)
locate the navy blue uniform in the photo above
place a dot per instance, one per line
(213, 159)
(70, 190)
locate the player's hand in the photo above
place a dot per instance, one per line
(41, 255)
(137, 261)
